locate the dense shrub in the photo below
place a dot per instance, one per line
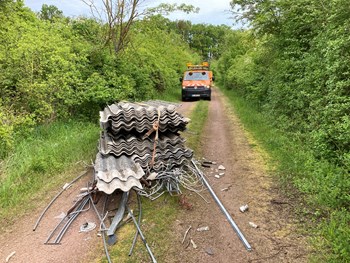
(53, 67)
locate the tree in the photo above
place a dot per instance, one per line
(120, 16)
(50, 13)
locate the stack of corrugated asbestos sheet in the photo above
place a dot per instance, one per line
(127, 143)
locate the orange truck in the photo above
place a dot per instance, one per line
(197, 81)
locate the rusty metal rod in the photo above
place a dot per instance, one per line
(223, 209)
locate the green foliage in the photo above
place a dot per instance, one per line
(291, 65)
(57, 68)
(50, 13)
(206, 40)
(166, 9)
(324, 184)
(47, 151)
(198, 118)
(337, 232)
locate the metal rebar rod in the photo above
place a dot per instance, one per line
(142, 236)
(71, 219)
(53, 231)
(223, 209)
(59, 224)
(103, 225)
(139, 222)
(54, 199)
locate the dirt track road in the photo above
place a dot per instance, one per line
(224, 141)
(275, 239)
(29, 245)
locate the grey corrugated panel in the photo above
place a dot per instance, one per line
(109, 188)
(161, 155)
(163, 138)
(132, 144)
(114, 173)
(127, 112)
(160, 164)
(142, 149)
(132, 109)
(144, 129)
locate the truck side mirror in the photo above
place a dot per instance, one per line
(213, 78)
(180, 79)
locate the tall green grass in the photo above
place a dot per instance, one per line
(38, 159)
(171, 94)
(318, 183)
(194, 132)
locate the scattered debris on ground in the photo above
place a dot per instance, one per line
(140, 152)
(203, 228)
(253, 225)
(10, 256)
(243, 208)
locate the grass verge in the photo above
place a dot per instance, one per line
(171, 94)
(194, 132)
(160, 214)
(318, 183)
(41, 160)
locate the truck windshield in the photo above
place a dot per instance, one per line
(202, 75)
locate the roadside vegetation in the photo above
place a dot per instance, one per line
(287, 79)
(195, 128)
(37, 163)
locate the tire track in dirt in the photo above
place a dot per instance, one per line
(275, 240)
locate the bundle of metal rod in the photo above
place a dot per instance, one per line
(67, 221)
(55, 198)
(172, 180)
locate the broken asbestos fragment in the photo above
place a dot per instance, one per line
(203, 228)
(193, 244)
(221, 167)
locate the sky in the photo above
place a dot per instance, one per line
(211, 12)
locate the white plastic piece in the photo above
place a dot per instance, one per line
(253, 225)
(193, 244)
(203, 228)
(243, 208)
(10, 256)
(221, 167)
(87, 227)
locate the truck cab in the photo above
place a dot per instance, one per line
(197, 81)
